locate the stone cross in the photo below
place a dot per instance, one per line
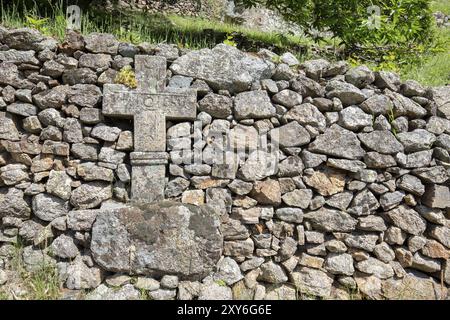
(149, 106)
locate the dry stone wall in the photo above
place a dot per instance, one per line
(293, 180)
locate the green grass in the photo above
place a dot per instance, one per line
(433, 69)
(194, 33)
(441, 5)
(41, 284)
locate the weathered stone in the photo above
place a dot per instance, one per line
(411, 184)
(331, 220)
(353, 118)
(390, 200)
(90, 195)
(346, 92)
(47, 207)
(327, 182)
(377, 104)
(416, 140)
(258, 166)
(253, 104)
(312, 282)
(360, 76)
(338, 142)
(267, 192)
(272, 273)
(341, 264)
(298, 198)
(64, 247)
(307, 114)
(213, 291)
(293, 215)
(216, 105)
(287, 98)
(290, 135)
(59, 184)
(89, 171)
(223, 67)
(437, 174)
(437, 196)
(381, 141)
(407, 219)
(201, 239)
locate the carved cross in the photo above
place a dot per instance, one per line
(149, 106)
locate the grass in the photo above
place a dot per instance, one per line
(194, 33)
(441, 5)
(434, 69)
(41, 284)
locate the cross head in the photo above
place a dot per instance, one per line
(149, 105)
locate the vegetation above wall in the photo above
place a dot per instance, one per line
(414, 48)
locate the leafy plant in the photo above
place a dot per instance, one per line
(370, 29)
(229, 41)
(127, 77)
(37, 23)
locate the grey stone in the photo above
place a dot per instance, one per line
(101, 43)
(22, 109)
(217, 106)
(293, 215)
(371, 223)
(59, 184)
(407, 219)
(331, 220)
(381, 141)
(81, 220)
(437, 196)
(84, 151)
(316, 69)
(436, 174)
(298, 198)
(312, 282)
(346, 165)
(106, 133)
(360, 76)
(346, 92)
(47, 207)
(84, 95)
(223, 67)
(411, 184)
(90, 195)
(290, 135)
(307, 114)
(253, 104)
(89, 171)
(340, 200)
(339, 142)
(416, 140)
(202, 240)
(375, 267)
(258, 166)
(366, 242)
(272, 273)
(287, 98)
(353, 118)
(390, 200)
(64, 247)
(228, 271)
(214, 291)
(377, 104)
(425, 264)
(340, 264)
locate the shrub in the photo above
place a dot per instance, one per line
(401, 27)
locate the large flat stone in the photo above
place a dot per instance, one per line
(158, 239)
